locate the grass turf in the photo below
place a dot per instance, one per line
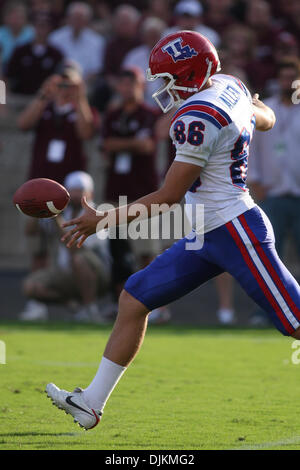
(188, 388)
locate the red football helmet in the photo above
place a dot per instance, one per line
(186, 60)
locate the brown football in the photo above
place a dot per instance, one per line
(41, 198)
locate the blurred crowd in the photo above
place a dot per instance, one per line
(252, 36)
(82, 66)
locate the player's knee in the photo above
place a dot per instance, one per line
(128, 303)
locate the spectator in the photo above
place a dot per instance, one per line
(15, 30)
(32, 63)
(159, 9)
(218, 15)
(128, 141)
(102, 21)
(62, 119)
(129, 146)
(238, 43)
(262, 71)
(39, 6)
(274, 163)
(126, 22)
(76, 275)
(188, 16)
(101, 94)
(290, 14)
(53, 8)
(141, 5)
(258, 17)
(151, 31)
(78, 42)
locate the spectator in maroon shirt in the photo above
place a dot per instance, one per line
(53, 8)
(291, 21)
(102, 18)
(159, 9)
(126, 21)
(125, 24)
(258, 17)
(262, 72)
(238, 44)
(32, 63)
(218, 15)
(141, 5)
(128, 141)
(129, 146)
(62, 119)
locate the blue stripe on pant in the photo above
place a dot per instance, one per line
(178, 271)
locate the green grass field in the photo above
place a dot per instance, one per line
(188, 389)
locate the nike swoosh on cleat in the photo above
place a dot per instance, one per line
(70, 402)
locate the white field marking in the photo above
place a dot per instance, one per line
(266, 445)
(52, 208)
(266, 276)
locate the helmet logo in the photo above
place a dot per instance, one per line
(177, 52)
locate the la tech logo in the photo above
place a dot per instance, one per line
(177, 52)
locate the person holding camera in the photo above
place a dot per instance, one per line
(62, 120)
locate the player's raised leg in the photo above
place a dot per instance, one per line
(127, 336)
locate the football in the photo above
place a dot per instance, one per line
(41, 197)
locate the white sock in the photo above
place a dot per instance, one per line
(107, 377)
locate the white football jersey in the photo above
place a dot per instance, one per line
(213, 129)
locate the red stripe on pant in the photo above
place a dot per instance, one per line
(265, 260)
(260, 280)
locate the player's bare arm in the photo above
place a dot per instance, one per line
(178, 179)
(265, 116)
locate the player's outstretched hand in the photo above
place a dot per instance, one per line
(85, 225)
(265, 116)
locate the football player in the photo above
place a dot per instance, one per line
(211, 128)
